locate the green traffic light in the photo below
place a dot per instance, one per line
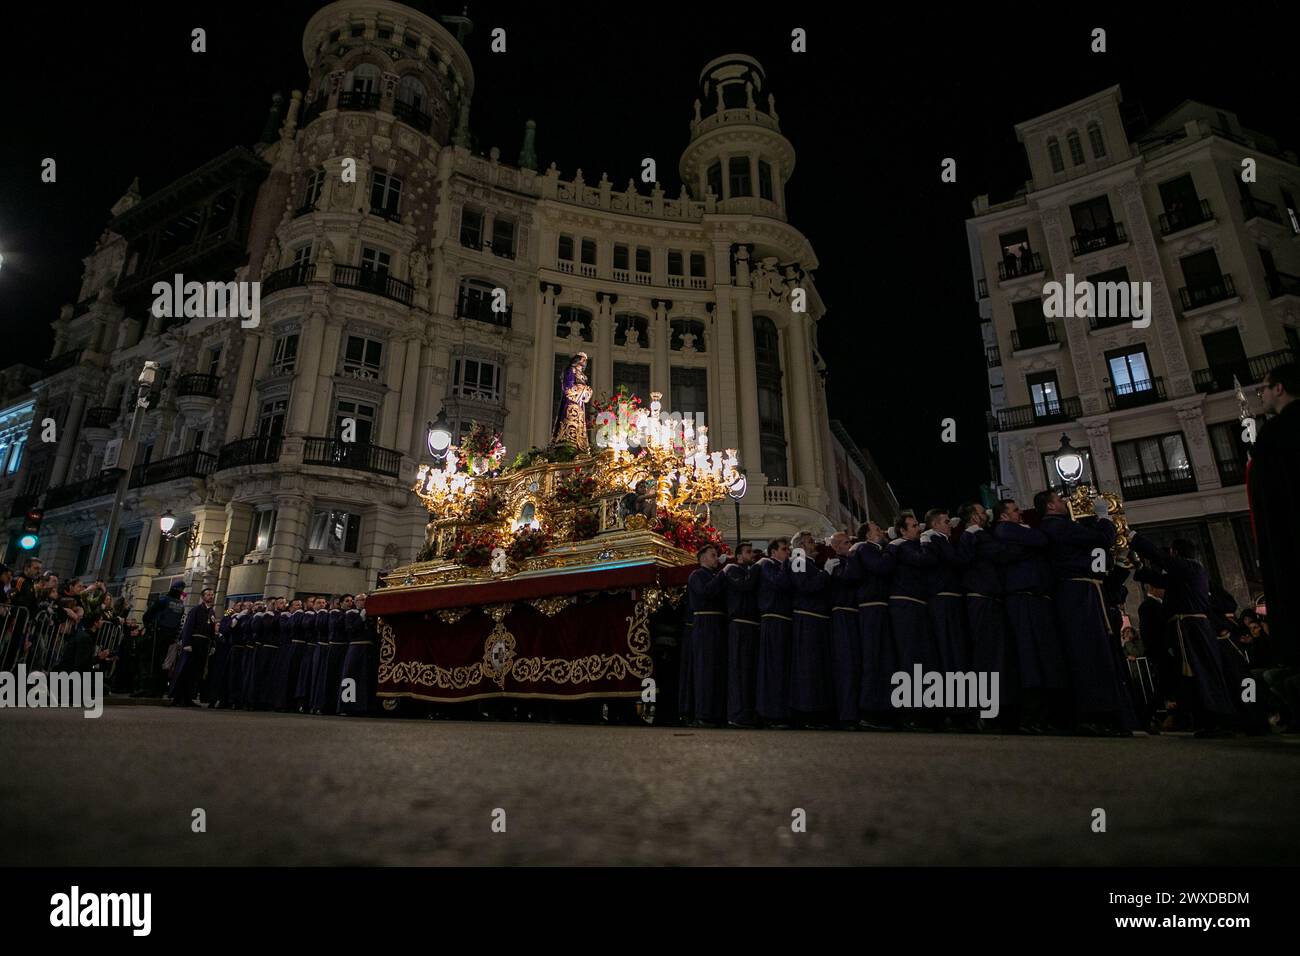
(28, 541)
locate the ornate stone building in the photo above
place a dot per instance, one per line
(1154, 409)
(401, 274)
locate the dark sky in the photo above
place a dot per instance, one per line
(113, 92)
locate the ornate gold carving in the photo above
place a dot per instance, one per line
(552, 606)
(1081, 505)
(497, 611)
(637, 523)
(452, 615)
(498, 653)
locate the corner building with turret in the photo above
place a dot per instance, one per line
(403, 274)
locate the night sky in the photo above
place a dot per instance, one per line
(871, 109)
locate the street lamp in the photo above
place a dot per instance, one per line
(735, 491)
(166, 522)
(1068, 464)
(125, 461)
(438, 438)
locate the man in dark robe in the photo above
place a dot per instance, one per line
(1273, 484)
(1039, 659)
(359, 661)
(253, 640)
(333, 630)
(1153, 632)
(878, 652)
(810, 639)
(909, 617)
(742, 637)
(199, 630)
(992, 651)
(947, 609)
(233, 695)
(268, 649)
(288, 657)
(846, 641)
(1079, 554)
(214, 691)
(775, 608)
(707, 602)
(305, 633)
(1187, 601)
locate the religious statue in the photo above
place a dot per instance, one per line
(419, 270)
(571, 422)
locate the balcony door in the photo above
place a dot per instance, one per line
(1226, 357)
(1181, 203)
(1044, 394)
(1202, 275)
(1130, 374)
(359, 412)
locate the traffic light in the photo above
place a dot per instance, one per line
(31, 535)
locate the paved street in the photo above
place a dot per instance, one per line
(284, 789)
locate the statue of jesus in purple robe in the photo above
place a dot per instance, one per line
(571, 421)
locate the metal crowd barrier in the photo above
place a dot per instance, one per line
(109, 639)
(14, 624)
(1140, 672)
(47, 635)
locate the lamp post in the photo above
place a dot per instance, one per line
(438, 436)
(126, 461)
(735, 491)
(1069, 465)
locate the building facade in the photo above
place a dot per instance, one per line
(862, 493)
(1154, 409)
(402, 274)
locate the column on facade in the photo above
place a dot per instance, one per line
(329, 353)
(261, 368)
(1199, 449)
(239, 518)
(725, 427)
(602, 377)
(801, 424)
(660, 368)
(210, 519)
(746, 371)
(252, 343)
(1227, 555)
(68, 439)
(140, 575)
(1105, 476)
(544, 363)
(753, 174)
(397, 349)
(409, 394)
(1075, 331)
(288, 543)
(778, 190)
(424, 411)
(305, 387)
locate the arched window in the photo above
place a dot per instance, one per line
(1095, 141)
(1054, 154)
(411, 92)
(364, 79)
(684, 327)
(573, 323)
(638, 325)
(1076, 147)
(771, 414)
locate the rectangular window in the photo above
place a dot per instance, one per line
(385, 194)
(1092, 217)
(636, 377)
(363, 355)
(1229, 451)
(1076, 149)
(642, 260)
(1130, 371)
(336, 532)
(373, 260)
(588, 252)
(1044, 394)
(698, 265)
(270, 419)
(1154, 466)
(261, 529)
(715, 180)
(503, 237)
(1054, 154)
(765, 180)
(476, 379)
(302, 255)
(357, 30)
(214, 360)
(738, 168)
(674, 262)
(126, 551)
(284, 354)
(1202, 275)
(360, 414)
(621, 257)
(471, 228)
(315, 182)
(566, 248)
(689, 392)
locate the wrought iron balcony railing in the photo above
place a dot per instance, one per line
(258, 450)
(1178, 219)
(358, 100)
(191, 464)
(300, 273)
(1103, 237)
(1218, 378)
(1033, 336)
(1042, 413)
(105, 483)
(368, 280)
(1210, 290)
(358, 456)
(1133, 394)
(1157, 484)
(198, 383)
(412, 115)
(1013, 268)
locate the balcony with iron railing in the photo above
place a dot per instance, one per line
(1253, 208)
(479, 309)
(1157, 484)
(982, 288)
(1013, 267)
(198, 384)
(298, 274)
(413, 116)
(62, 362)
(258, 450)
(1133, 394)
(191, 464)
(1282, 283)
(101, 416)
(994, 356)
(1179, 218)
(1041, 413)
(358, 100)
(1033, 336)
(97, 486)
(391, 213)
(1094, 240)
(1210, 290)
(369, 280)
(358, 456)
(1248, 371)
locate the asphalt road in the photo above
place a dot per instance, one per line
(293, 790)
